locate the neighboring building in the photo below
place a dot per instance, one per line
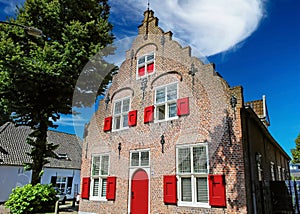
(63, 172)
(295, 170)
(173, 137)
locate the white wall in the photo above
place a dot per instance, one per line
(10, 178)
(75, 173)
(13, 176)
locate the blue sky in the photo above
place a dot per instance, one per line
(253, 43)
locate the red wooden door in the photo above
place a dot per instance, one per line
(139, 193)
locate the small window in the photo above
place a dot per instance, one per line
(279, 173)
(283, 174)
(139, 159)
(192, 170)
(166, 102)
(272, 171)
(120, 114)
(259, 171)
(100, 166)
(145, 65)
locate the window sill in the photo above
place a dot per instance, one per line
(144, 76)
(166, 120)
(191, 204)
(121, 129)
(97, 199)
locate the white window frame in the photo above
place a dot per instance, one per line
(259, 171)
(99, 177)
(146, 62)
(59, 182)
(193, 177)
(140, 161)
(165, 103)
(272, 171)
(122, 114)
(279, 173)
(283, 174)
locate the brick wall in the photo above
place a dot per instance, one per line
(212, 120)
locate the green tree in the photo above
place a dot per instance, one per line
(296, 151)
(38, 75)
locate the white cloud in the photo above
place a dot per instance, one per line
(71, 120)
(212, 26)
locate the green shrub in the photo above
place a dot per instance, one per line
(32, 199)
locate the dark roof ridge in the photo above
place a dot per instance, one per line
(4, 126)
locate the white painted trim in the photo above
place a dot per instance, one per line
(193, 176)
(145, 63)
(131, 173)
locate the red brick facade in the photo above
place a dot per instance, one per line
(210, 121)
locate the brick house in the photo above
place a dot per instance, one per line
(174, 137)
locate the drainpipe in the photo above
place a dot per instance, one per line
(250, 165)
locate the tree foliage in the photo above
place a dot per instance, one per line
(296, 151)
(32, 199)
(38, 75)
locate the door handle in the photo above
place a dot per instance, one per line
(132, 194)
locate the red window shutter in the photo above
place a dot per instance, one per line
(111, 188)
(132, 118)
(183, 107)
(170, 189)
(141, 71)
(150, 67)
(217, 190)
(149, 114)
(107, 124)
(85, 188)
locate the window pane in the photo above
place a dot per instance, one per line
(126, 105)
(160, 95)
(96, 187)
(125, 120)
(104, 165)
(96, 165)
(117, 122)
(145, 158)
(172, 110)
(118, 107)
(141, 60)
(202, 190)
(141, 71)
(200, 159)
(160, 111)
(172, 92)
(104, 185)
(134, 159)
(150, 57)
(184, 160)
(186, 189)
(150, 67)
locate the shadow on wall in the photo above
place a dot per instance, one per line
(228, 160)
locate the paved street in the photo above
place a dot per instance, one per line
(63, 209)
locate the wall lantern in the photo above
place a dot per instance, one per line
(258, 158)
(144, 86)
(192, 72)
(120, 148)
(233, 102)
(107, 99)
(162, 142)
(131, 56)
